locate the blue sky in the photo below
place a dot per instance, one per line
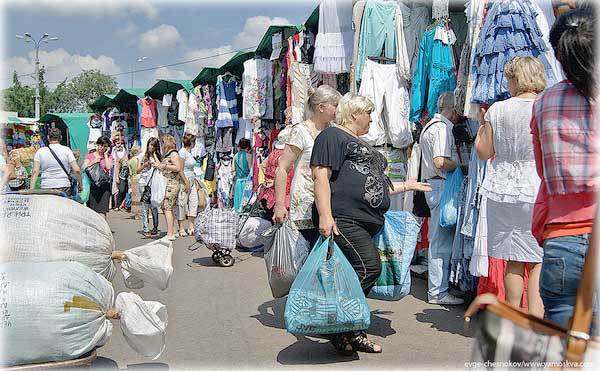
(111, 35)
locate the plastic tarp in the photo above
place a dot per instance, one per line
(208, 75)
(103, 101)
(236, 64)
(312, 23)
(129, 95)
(76, 123)
(163, 87)
(265, 46)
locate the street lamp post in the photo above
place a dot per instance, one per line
(140, 59)
(28, 38)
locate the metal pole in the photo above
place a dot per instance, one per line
(37, 81)
(132, 77)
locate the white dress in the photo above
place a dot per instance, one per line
(511, 183)
(334, 42)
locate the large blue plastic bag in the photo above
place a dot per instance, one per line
(396, 244)
(449, 200)
(326, 297)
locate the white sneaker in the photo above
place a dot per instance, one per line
(447, 300)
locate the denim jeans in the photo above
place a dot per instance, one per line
(145, 208)
(562, 266)
(440, 245)
(356, 242)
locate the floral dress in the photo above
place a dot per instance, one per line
(173, 184)
(302, 191)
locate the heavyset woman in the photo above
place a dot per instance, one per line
(352, 193)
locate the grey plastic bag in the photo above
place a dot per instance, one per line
(284, 257)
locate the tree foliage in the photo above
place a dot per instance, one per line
(18, 98)
(72, 96)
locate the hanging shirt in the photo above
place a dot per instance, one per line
(166, 101)
(162, 119)
(148, 116)
(182, 98)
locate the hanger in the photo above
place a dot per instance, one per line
(382, 58)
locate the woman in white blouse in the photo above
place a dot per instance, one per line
(511, 182)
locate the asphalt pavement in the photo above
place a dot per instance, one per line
(225, 318)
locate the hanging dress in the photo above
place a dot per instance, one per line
(225, 181)
(243, 181)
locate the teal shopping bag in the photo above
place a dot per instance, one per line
(83, 196)
(326, 296)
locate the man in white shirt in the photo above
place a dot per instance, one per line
(53, 175)
(438, 153)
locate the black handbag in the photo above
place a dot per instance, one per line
(147, 193)
(209, 174)
(73, 181)
(420, 207)
(99, 177)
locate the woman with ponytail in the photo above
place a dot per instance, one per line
(564, 143)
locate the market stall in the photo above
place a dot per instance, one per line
(73, 126)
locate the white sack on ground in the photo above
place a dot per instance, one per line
(42, 228)
(56, 311)
(150, 263)
(39, 228)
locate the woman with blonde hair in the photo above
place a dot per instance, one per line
(322, 103)
(352, 193)
(187, 201)
(511, 183)
(172, 169)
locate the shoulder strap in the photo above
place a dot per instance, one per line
(582, 314)
(62, 166)
(421, 148)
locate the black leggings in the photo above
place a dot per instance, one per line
(355, 241)
(123, 188)
(311, 236)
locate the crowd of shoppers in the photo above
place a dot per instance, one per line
(540, 146)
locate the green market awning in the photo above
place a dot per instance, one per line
(75, 124)
(236, 64)
(312, 23)
(163, 87)
(103, 101)
(265, 47)
(128, 96)
(208, 75)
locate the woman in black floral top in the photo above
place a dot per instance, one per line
(352, 193)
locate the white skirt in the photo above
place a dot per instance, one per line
(509, 232)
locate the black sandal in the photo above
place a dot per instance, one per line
(360, 343)
(341, 343)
